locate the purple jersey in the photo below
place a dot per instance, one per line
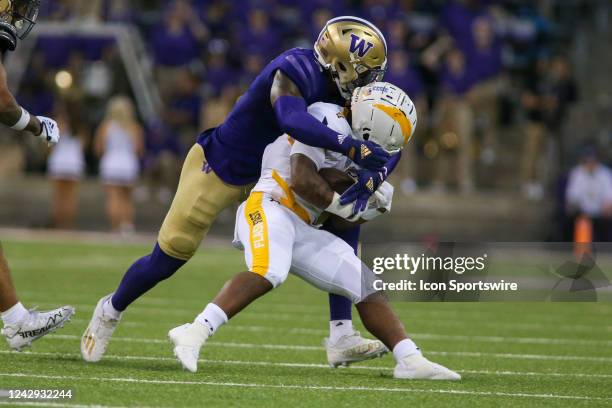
(234, 149)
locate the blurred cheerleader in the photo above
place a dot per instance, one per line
(119, 141)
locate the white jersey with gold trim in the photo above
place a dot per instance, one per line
(275, 176)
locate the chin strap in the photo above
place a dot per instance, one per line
(8, 37)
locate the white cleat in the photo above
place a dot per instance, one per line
(97, 335)
(352, 348)
(417, 367)
(35, 326)
(188, 339)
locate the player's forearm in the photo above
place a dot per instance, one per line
(308, 184)
(13, 116)
(315, 191)
(393, 162)
(294, 119)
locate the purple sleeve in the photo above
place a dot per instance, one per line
(294, 119)
(392, 163)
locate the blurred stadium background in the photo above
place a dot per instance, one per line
(511, 95)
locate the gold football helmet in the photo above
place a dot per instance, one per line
(353, 50)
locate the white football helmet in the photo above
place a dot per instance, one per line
(384, 114)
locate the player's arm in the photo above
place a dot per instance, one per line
(10, 111)
(308, 184)
(294, 119)
(17, 118)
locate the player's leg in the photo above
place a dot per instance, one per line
(8, 294)
(199, 198)
(21, 326)
(380, 320)
(338, 270)
(340, 308)
(345, 344)
(266, 231)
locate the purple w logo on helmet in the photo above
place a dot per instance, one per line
(359, 45)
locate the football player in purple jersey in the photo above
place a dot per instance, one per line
(222, 167)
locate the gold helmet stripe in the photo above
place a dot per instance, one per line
(400, 117)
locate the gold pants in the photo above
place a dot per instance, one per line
(199, 199)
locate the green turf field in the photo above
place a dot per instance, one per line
(509, 355)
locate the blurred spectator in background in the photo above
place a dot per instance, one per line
(589, 194)
(454, 121)
(218, 71)
(402, 73)
(89, 10)
(484, 59)
(119, 141)
(66, 164)
(534, 129)
(259, 36)
(176, 43)
(563, 93)
(183, 107)
(161, 166)
(216, 110)
(549, 90)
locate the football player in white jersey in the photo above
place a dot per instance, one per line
(276, 227)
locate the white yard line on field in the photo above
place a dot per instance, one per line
(309, 387)
(417, 336)
(301, 365)
(440, 319)
(265, 346)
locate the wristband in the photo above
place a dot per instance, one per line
(23, 121)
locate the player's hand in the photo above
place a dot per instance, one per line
(49, 130)
(380, 202)
(365, 153)
(367, 183)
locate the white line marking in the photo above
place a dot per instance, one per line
(310, 387)
(417, 336)
(144, 309)
(318, 348)
(302, 365)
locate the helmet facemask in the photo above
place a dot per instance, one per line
(17, 18)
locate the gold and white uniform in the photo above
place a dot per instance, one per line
(275, 227)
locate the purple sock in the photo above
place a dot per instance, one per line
(145, 273)
(341, 308)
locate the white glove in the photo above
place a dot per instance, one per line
(384, 195)
(50, 130)
(380, 202)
